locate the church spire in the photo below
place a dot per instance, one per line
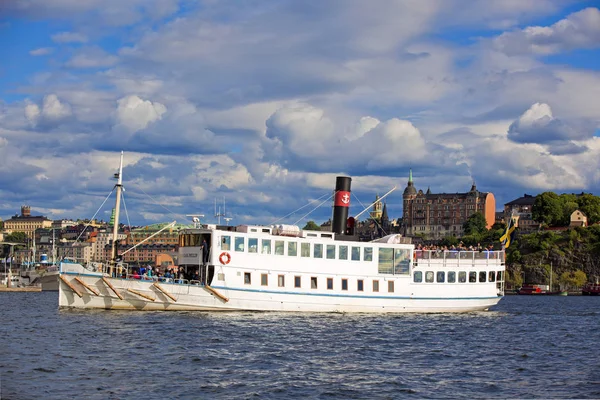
(410, 176)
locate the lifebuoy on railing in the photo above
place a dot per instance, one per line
(224, 258)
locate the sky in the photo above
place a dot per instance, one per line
(261, 104)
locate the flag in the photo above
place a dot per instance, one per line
(509, 234)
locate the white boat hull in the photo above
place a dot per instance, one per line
(49, 281)
(198, 298)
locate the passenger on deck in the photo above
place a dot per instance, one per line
(205, 252)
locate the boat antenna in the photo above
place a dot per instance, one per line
(119, 188)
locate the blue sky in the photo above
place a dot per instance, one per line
(263, 103)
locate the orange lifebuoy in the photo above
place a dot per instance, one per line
(224, 258)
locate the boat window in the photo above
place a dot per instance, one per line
(368, 254)
(360, 285)
(281, 280)
(247, 280)
(190, 240)
(313, 282)
(318, 251)
(451, 276)
(391, 286)
(386, 259)
(292, 249)
(239, 244)
(279, 246)
(343, 252)
(296, 281)
(344, 284)
(266, 246)
(226, 243)
(482, 277)
(252, 245)
(375, 286)
(472, 276)
(418, 276)
(492, 276)
(499, 276)
(401, 261)
(440, 278)
(329, 283)
(429, 276)
(462, 276)
(331, 251)
(355, 253)
(305, 250)
(264, 279)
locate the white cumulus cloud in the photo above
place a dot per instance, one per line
(134, 114)
(578, 30)
(51, 111)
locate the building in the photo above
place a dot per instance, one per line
(26, 222)
(377, 209)
(578, 219)
(438, 215)
(62, 223)
(520, 210)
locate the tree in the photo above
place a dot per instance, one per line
(475, 224)
(311, 226)
(590, 206)
(547, 209)
(17, 237)
(572, 279)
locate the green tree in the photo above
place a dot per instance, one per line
(311, 226)
(547, 209)
(475, 224)
(16, 237)
(572, 279)
(590, 206)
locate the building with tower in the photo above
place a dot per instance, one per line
(26, 222)
(439, 215)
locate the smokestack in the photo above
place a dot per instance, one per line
(341, 204)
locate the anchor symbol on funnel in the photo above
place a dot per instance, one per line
(345, 198)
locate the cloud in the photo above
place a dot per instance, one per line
(69, 37)
(538, 125)
(579, 30)
(305, 135)
(105, 13)
(43, 51)
(91, 57)
(51, 112)
(134, 114)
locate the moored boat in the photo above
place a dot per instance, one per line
(284, 268)
(590, 289)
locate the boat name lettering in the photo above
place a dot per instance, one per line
(190, 254)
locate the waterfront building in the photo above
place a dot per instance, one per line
(520, 210)
(26, 222)
(438, 215)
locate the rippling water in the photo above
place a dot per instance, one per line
(527, 347)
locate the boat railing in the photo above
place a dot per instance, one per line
(160, 279)
(454, 257)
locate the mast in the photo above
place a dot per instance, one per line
(119, 187)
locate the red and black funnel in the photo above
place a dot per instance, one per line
(341, 204)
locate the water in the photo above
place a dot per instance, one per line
(527, 347)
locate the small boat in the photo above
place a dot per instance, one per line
(590, 289)
(539, 290)
(285, 268)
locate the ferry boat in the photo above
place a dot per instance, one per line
(284, 268)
